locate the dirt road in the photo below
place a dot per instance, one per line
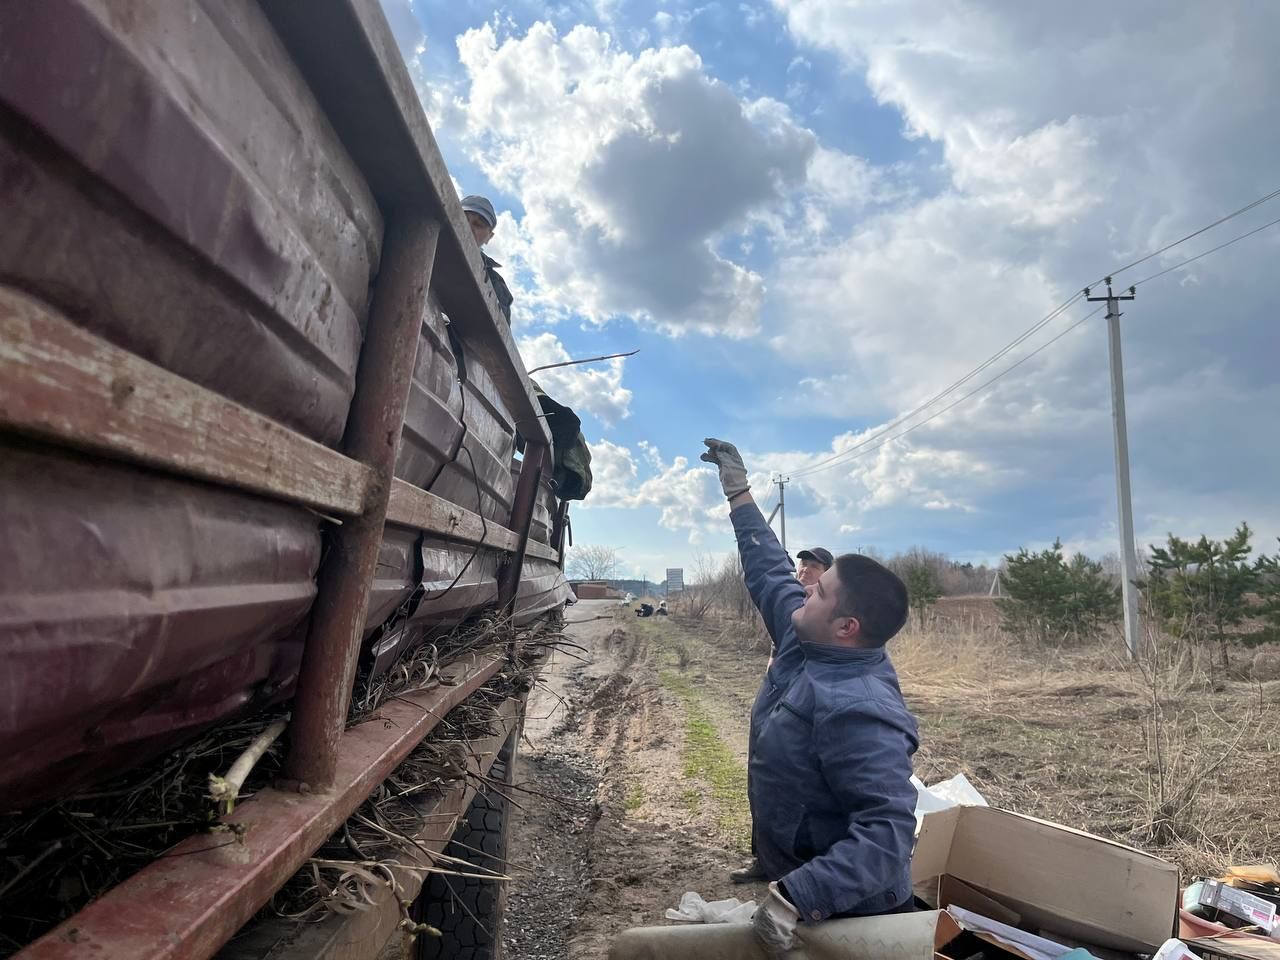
(639, 796)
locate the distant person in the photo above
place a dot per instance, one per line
(483, 221)
(829, 768)
(812, 564)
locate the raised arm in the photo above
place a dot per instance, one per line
(768, 573)
(767, 569)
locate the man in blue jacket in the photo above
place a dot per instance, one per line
(831, 739)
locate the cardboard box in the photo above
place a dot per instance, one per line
(1070, 886)
(1067, 886)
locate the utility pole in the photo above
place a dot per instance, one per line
(1128, 555)
(782, 508)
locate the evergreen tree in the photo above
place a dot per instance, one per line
(1199, 589)
(923, 586)
(1052, 599)
(1268, 588)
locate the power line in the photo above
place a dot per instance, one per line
(848, 453)
(1003, 351)
(1221, 220)
(768, 503)
(976, 390)
(1220, 246)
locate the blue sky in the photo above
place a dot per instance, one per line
(812, 215)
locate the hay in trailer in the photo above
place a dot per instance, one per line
(61, 854)
(376, 848)
(377, 845)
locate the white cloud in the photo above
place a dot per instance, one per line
(595, 388)
(613, 474)
(1056, 142)
(687, 498)
(630, 168)
(1072, 140)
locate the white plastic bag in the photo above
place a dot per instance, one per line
(693, 909)
(1174, 950)
(956, 791)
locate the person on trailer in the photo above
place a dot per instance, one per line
(484, 221)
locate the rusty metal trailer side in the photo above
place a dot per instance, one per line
(326, 260)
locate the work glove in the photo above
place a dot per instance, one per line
(775, 923)
(733, 474)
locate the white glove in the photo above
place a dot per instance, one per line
(775, 923)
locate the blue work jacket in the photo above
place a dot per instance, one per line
(830, 759)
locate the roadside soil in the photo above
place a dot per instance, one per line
(632, 776)
(625, 817)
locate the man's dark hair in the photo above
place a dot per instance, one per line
(872, 593)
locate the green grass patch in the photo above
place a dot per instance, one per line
(635, 798)
(679, 685)
(706, 757)
(691, 800)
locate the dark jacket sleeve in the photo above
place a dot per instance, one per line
(768, 572)
(500, 288)
(865, 754)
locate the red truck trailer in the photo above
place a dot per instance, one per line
(263, 429)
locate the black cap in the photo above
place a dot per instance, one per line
(817, 554)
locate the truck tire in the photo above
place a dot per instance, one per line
(468, 911)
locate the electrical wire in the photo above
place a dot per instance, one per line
(1195, 233)
(959, 400)
(484, 529)
(400, 618)
(1220, 246)
(866, 443)
(769, 503)
(1002, 352)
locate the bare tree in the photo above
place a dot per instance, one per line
(593, 562)
(702, 591)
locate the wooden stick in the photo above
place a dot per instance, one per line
(226, 790)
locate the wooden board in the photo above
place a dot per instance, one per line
(412, 507)
(61, 384)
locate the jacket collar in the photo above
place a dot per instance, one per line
(830, 653)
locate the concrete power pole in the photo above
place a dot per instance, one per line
(1128, 554)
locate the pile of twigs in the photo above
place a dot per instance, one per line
(60, 855)
(418, 668)
(377, 849)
